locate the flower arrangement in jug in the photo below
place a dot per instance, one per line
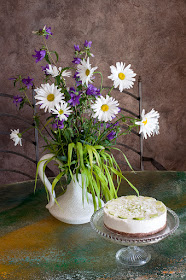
(83, 121)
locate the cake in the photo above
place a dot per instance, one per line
(135, 215)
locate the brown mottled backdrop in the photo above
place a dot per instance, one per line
(149, 34)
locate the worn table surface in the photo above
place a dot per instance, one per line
(34, 245)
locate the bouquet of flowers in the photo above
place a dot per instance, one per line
(83, 121)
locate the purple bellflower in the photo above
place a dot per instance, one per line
(44, 68)
(76, 60)
(87, 44)
(92, 90)
(78, 82)
(111, 125)
(48, 30)
(72, 90)
(111, 135)
(39, 55)
(75, 76)
(58, 124)
(17, 99)
(76, 47)
(27, 82)
(74, 98)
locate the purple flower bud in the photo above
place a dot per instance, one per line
(92, 90)
(111, 135)
(72, 90)
(48, 30)
(76, 47)
(27, 82)
(87, 44)
(112, 125)
(44, 68)
(58, 124)
(76, 60)
(75, 76)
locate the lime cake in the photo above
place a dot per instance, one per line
(135, 215)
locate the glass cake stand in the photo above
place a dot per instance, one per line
(133, 255)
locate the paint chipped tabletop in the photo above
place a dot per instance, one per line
(34, 245)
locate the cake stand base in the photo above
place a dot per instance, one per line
(132, 256)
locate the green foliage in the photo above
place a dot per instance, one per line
(97, 167)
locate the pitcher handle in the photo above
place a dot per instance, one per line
(45, 180)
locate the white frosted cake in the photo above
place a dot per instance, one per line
(135, 216)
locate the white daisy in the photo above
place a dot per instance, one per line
(122, 76)
(49, 96)
(65, 73)
(16, 137)
(62, 110)
(85, 71)
(54, 71)
(149, 125)
(105, 108)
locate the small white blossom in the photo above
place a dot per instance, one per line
(105, 108)
(122, 76)
(149, 125)
(54, 71)
(66, 73)
(16, 137)
(62, 110)
(85, 71)
(49, 96)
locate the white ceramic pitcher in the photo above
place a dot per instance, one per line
(71, 208)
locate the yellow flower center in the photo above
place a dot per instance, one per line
(50, 97)
(104, 107)
(61, 111)
(87, 72)
(145, 122)
(121, 76)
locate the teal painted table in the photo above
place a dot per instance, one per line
(34, 245)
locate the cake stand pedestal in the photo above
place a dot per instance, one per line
(132, 255)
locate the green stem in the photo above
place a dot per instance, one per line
(89, 128)
(127, 130)
(109, 129)
(26, 130)
(29, 101)
(48, 51)
(45, 129)
(97, 72)
(110, 90)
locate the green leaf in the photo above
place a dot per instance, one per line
(71, 146)
(124, 157)
(123, 177)
(79, 148)
(113, 193)
(56, 180)
(47, 58)
(62, 158)
(89, 177)
(89, 150)
(57, 56)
